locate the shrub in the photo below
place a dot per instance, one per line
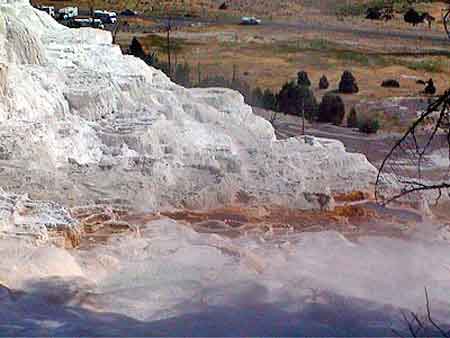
(182, 75)
(287, 98)
(151, 59)
(293, 99)
(323, 82)
(269, 100)
(303, 79)
(352, 119)
(257, 97)
(430, 87)
(136, 48)
(369, 125)
(390, 83)
(331, 109)
(348, 85)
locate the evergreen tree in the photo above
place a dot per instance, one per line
(136, 48)
(257, 97)
(182, 75)
(293, 99)
(303, 79)
(269, 100)
(323, 83)
(332, 109)
(348, 85)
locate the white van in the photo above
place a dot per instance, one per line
(105, 16)
(67, 13)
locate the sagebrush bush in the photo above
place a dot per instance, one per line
(369, 125)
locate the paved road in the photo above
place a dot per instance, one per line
(416, 34)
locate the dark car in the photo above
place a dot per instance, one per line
(128, 12)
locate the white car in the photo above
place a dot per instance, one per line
(105, 16)
(250, 20)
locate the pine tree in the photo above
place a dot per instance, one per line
(331, 109)
(136, 48)
(348, 83)
(323, 83)
(303, 79)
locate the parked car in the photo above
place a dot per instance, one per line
(250, 20)
(85, 22)
(67, 13)
(105, 16)
(128, 12)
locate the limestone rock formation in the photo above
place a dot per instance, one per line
(41, 222)
(79, 121)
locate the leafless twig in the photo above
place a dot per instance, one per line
(404, 162)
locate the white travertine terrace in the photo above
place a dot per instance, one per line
(80, 121)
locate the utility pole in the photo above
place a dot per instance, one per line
(169, 28)
(303, 117)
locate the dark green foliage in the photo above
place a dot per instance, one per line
(257, 97)
(352, 119)
(136, 49)
(348, 85)
(303, 79)
(269, 100)
(293, 99)
(413, 17)
(288, 98)
(331, 109)
(266, 99)
(430, 87)
(369, 125)
(373, 13)
(151, 59)
(182, 75)
(323, 82)
(390, 83)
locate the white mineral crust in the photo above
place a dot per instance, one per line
(81, 121)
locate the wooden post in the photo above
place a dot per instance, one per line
(303, 117)
(168, 45)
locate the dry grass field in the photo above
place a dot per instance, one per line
(295, 9)
(268, 55)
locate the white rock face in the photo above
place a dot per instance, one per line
(24, 218)
(80, 121)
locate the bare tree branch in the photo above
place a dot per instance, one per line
(405, 162)
(430, 318)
